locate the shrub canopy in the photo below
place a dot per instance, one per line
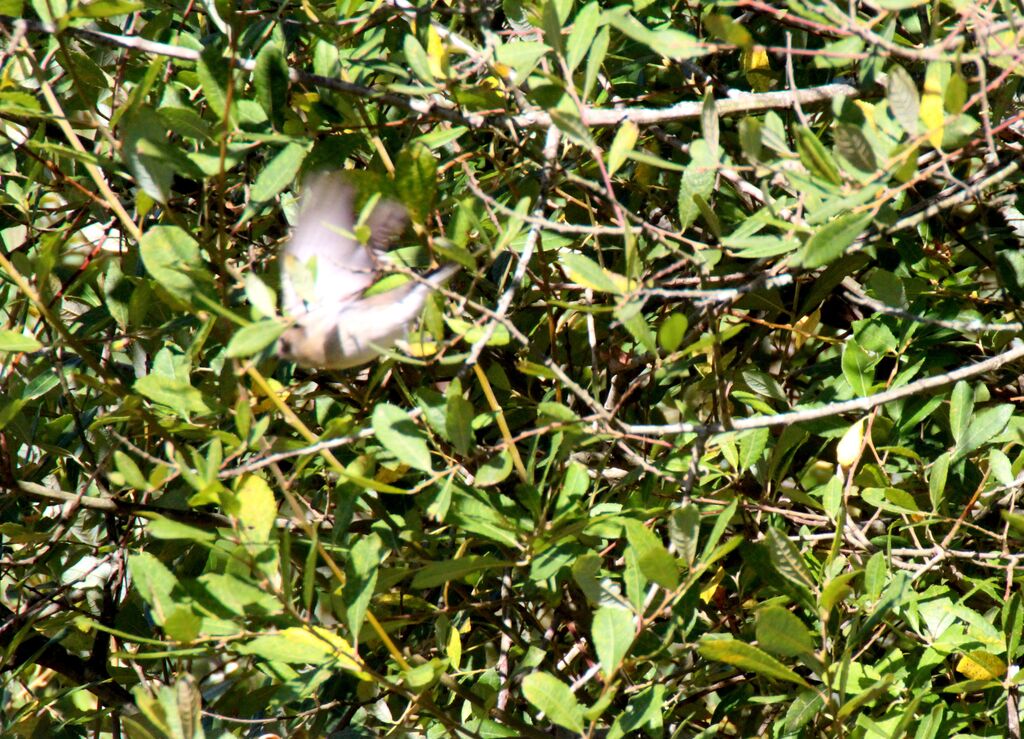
(713, 433)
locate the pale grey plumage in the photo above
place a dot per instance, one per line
(335, 326)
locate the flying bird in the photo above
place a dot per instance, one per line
(325, 271)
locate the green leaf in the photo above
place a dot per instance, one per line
(633, 319)
(176, 394)
(937, 481)
(438, 573)
(781, 632)
(684, 532)
(890, 499)
(816, 157)
(858, 368)
(698, 181)
(15, 341)
(622, 144)
(472, 332)
(145, 155)
(494, 470)
(166, 528)
(904, 100)
(105, 8)
(551, 696)
(710, 124)
(172, 258)
(297, 645)
(672, 331)
(521, 57)
(254, 338)
(669, 42)
(400, 435)
(130, 471)
(182, 624)
(256, 509)
(722, 521)
(750, 138)
(260, 296)
(416, 58)
(865, 697)
(986, 424)
(279, 173)
(416, 181)
(584, 271)
(154, 583)
(653, 558)
(458, 419)
(961, 409)
(584, 28)
(596, 57)
(748, 658)
(270, 78)
(832, 240)
(805, 706)
(235, 594)
(186, 123)
(613, 633)
(836, 591)
(787, 560)
(361, 571)
(213, 71)
(853, 146)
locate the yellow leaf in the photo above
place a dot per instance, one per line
(257, 509)
(454, 648)
(708, 591)
(437, 54)
(266, 405)
(805, 327)
(757, 68)
(932, 110)
(981, 665)
(848, 449)
(422, 348)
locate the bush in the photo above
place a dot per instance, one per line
(713, 433)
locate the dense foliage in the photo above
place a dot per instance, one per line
(713, 434)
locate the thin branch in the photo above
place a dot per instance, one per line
(739, 103)
(856, 295)
(835, 409)
(121, 507)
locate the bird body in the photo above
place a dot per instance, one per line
(325, 272)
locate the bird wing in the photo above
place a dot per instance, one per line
(324, 245)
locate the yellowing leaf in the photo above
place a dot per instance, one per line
(981, 665)
(848, 449)
(296, 645)
(623, 143)
(757, 68)
(588, 273)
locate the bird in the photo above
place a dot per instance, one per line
(325, 272)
